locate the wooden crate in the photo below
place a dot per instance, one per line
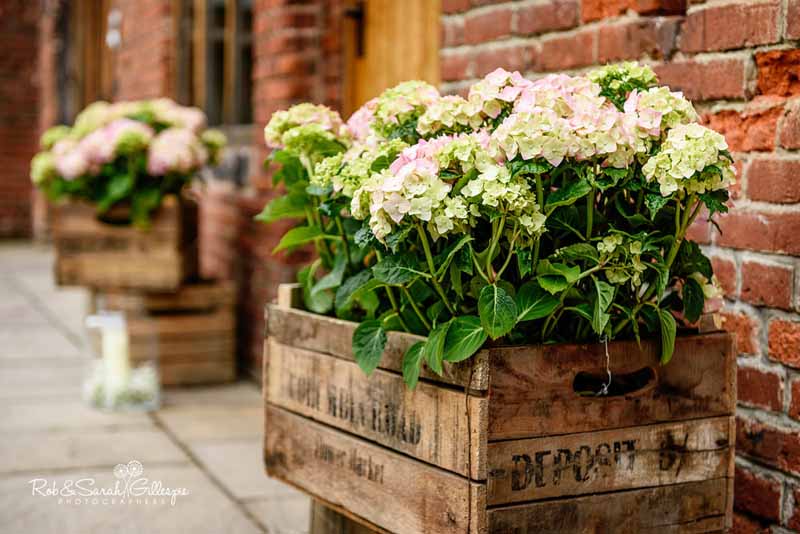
(192, 332)
(101, 255)
(503, 442)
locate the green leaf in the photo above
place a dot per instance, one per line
(691, 259)
(526, 168)
(117, 188)
(693, 300)
(524, 260)
(497, 310)
(464, 338)
(333, 279)
(533, 302)
(433, 351)
(668, 332)
(715, 201)
(412, 361)
(569, 273)
(662, 278)
(569, 194)
(654, 203)
(291, 171)
(316, 301)
(443, 259)
(351, 287)
(299, 236)
(552, 284)
(604, 294)
(143, 202)
(289, 206)
(398, 270)
(369, 340)
(455, 280)
(396, 238)
(578, 252)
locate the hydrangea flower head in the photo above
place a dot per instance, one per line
(359, 125)
(692, 159)
(658, 109)
(53, 135)
(302, 115)
(496, 91)
(618, 80)
(175, 150)
(450, 114)
(400, 106)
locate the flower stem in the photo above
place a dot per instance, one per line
(497, 231)
(393, 299)
(416, 309)
(510, 251)
(432, 268)
(345, 244)
(589, 214)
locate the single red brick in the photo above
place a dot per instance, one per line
(487, 25)
(540, 18)
(725, 271)
(790, 127)
(794, 403)
(454, 67)
(757, 495)
(752, 129)
(700, 231)
(705, 80)
(784, 342)
(779, 448)
(746, 330)
(767, 284)
(663, 7)
(761, 231)
(793, 19)
(774, 180)
(509, 57)
(454, 6)
(600, 9)
(761, 389)
(567, 52)
(654, 37)
(779, 72)
(730, 25)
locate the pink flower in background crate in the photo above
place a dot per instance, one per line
(175, 150)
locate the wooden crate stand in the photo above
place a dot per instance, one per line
(101, 255)
(192, 332)
(503, 442)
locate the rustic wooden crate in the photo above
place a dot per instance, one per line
(191, 332)
(502, 443)
(102, 255)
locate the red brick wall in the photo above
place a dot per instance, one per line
(740, 62)
(18, 113)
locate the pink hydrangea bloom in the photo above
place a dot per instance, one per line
(175, 150)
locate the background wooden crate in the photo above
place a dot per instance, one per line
(192, 332)
(502, 443)
(95, 254)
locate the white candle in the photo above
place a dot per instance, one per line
(115, 353)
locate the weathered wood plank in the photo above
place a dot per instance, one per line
(196, 296)
(533, 394)
(333, 336)
(610, 460)
(96, 254)
(689, 508)
(434, 424)
(388, 489)
(326, 520)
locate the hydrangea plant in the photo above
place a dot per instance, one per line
(126, 153)
(531, 211)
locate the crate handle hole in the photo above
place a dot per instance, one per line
(622, 384)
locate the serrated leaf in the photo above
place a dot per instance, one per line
(715, 201)
(570, 273)
(693, 300)
(668, 331)
(284, 207)
(533, 302)
(464, 338)
(497, 310)
(524, 260)
(442, 260)
(350, 287)
(400, 269)
(578, 252)
(369, 340)
(299, 236)
(333, 279)
(412, 361)
(433, 351)
(604, 294)
(654, 203)
(396, 238)
(318, 302)
(569, 194)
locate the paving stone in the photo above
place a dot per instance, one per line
(239, 466)
(35, 341)
(16, 309)
(50, 415)
(28, 379)
(291, 515)
(206, 510)
(242, 392)
(193, 424)
(39, 452)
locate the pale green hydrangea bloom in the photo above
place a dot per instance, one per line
(345, 172)
(43, 168)
(450, 114)
(53, 135)
(620, 76)
(711, 288)
(402, 104)
(623, 259)
(301, 115)
(691, 160)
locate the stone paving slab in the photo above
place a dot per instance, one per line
(26, 379)
(289, 515)
(34, 341)
(192, 424)
(53, 415)
(206, 510)
(38, 452)
(246, 479)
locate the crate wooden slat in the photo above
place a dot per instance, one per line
(95, 254)
(507, 440)
(191, 332)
